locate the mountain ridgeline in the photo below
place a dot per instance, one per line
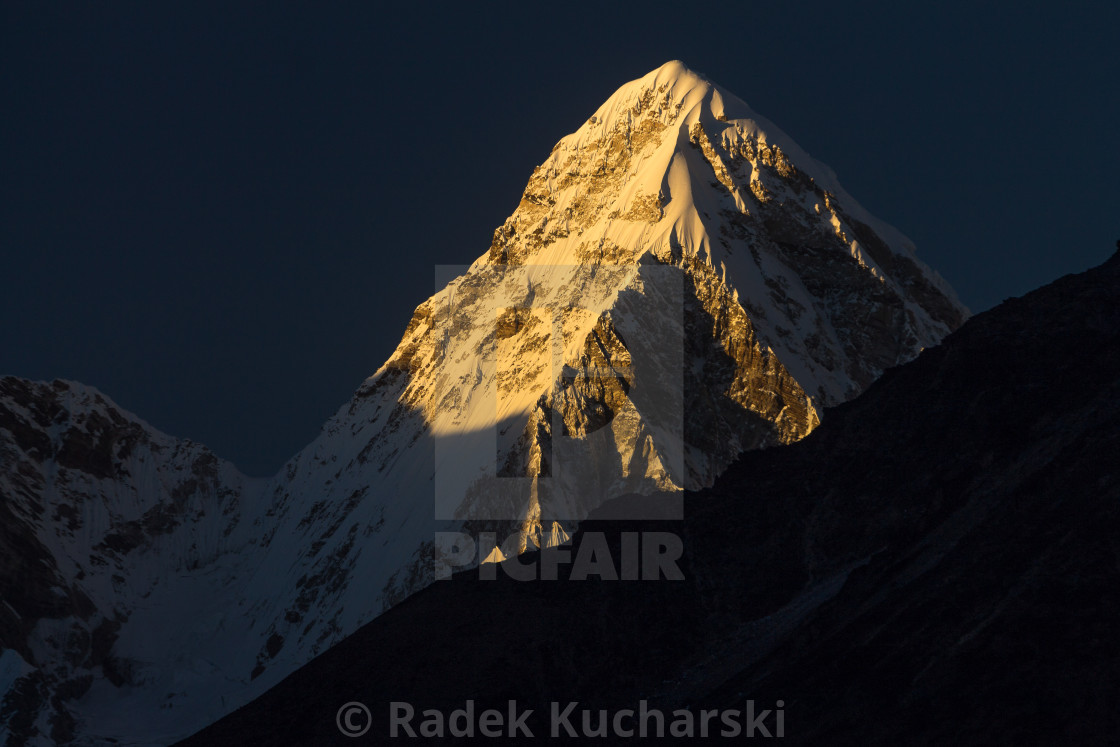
(937, 563)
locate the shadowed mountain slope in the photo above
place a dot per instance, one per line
(938, 563)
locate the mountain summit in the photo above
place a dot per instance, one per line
(679, 283)
(675, 166)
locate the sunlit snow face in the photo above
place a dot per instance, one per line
(531, 349)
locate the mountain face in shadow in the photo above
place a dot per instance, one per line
(937, 563)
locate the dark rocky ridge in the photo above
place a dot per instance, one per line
(938, 563)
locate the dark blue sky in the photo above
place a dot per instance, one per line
(223, 218)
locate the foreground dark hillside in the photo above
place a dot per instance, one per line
(939, 563)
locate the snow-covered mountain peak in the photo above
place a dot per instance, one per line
(679, 283)
(646, 120)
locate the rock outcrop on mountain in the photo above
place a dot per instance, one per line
(937, 563)
(680, 283)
